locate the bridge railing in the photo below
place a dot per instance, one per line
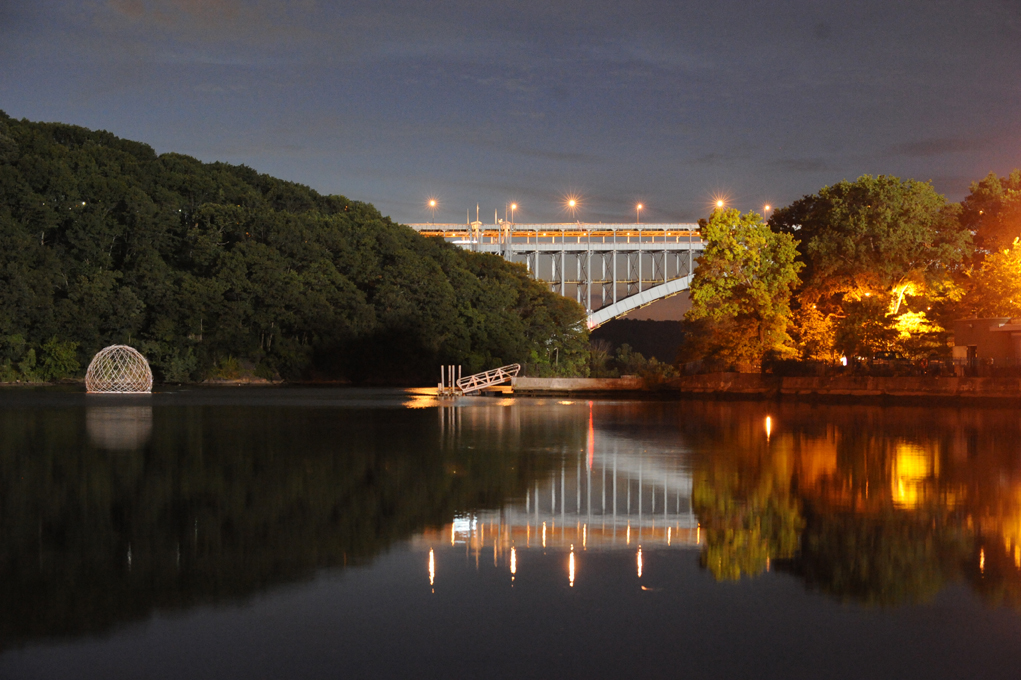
(610, 269)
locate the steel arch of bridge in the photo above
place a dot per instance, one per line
(611, 269)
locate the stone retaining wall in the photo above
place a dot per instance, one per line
(750, 384)
(574, 385)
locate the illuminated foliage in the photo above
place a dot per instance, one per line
(866, 327)
(741, 290)
(996, 286)
(877, 251)
(872, 234)
(813, 333)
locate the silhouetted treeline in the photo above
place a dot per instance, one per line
(214, 270)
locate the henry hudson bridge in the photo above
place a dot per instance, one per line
(611, 269)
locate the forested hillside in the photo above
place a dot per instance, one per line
(211, 269)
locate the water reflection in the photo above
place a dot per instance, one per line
(119, 428)
(229, 499)
(863, 504)
(881, 506)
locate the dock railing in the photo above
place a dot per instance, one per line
(479, 381)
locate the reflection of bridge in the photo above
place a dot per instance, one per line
(604, 490)
(612, 269)
(615, 496)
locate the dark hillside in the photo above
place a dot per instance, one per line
(213, 269)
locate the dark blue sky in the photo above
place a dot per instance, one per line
(666, 102)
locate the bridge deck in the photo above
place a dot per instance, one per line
(611, 269)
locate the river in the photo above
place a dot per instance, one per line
(320, 533)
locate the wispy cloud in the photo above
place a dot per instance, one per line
(802, 164)
(940, 146)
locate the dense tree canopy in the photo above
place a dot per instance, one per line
(880, 254)
(992, 211)
(995, 285)
(872, 234)
(741, 290)
(212, 268)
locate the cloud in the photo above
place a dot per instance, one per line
(802, 164)
(254, 23)
(558, 156)
(927, 148)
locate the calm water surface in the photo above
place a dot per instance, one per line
(285, 533)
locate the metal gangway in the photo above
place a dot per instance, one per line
(474, 383)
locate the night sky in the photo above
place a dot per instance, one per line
(664, 102)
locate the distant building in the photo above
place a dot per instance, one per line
(990, 341)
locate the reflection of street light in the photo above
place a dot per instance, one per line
(432, 208)
(638, 213)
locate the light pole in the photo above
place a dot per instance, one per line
(638, 213)
(432, 209)
(514, 206)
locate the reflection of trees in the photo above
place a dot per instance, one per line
(222, 503)
(744, 525)
(993, 568)
(893, 557)
(894, 502)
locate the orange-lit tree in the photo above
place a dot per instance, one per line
(880, 244)
(995, 288)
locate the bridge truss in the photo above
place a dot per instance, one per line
(611, 269)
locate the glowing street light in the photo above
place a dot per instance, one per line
(432, 208)
(514, 206)
(767, 208)
(572, 204)
(719, 204)
(638, 213)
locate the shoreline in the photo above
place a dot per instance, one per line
(883, 391)
(946, 391)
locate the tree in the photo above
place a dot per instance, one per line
(878, 253)
(996, 286)
(992, 211)
(873, 234)
(208, 266)
(741, 290)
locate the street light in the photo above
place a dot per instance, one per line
(514, 206)
(719, 204)
(432, 209)
(572, 205)
(638, 213)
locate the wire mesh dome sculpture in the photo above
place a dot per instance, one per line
(118, 369)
